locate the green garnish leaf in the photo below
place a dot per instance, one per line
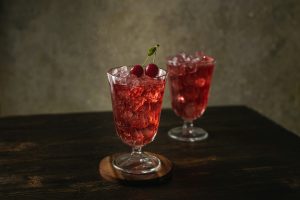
(151, 51)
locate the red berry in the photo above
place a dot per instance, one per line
(137, 70)
(151, 70)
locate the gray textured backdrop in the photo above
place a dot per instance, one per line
(54, 54)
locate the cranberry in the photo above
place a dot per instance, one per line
(137, 70)
(151, 70)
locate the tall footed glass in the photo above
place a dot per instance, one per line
(189, 79)
(136, 103)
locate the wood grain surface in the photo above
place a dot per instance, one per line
(246, 156)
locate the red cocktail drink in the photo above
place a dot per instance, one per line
(136, 103)
(136, 106)
(189, 78)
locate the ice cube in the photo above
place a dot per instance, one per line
(182, 55)
(114, 72)
(123, 71)
(192, 67)
(181, 58)
(196, 60)
(161, 73)
(173, 61)
(189, 58)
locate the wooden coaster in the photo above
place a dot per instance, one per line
(109, 173)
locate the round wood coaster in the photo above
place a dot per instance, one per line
(109, 173)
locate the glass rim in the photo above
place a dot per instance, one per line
(169, 58)
(109, 71)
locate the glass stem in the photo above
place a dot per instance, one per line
(187, 128)
(136, 151)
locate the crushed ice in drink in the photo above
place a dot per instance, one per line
(133, 81)
(189, 60)
(123, 71)
(182, 55)
(196, 60)
(120, 72)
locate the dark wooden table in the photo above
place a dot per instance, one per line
(246, 156)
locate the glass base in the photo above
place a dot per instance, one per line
(136, 163)
(194, 134)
